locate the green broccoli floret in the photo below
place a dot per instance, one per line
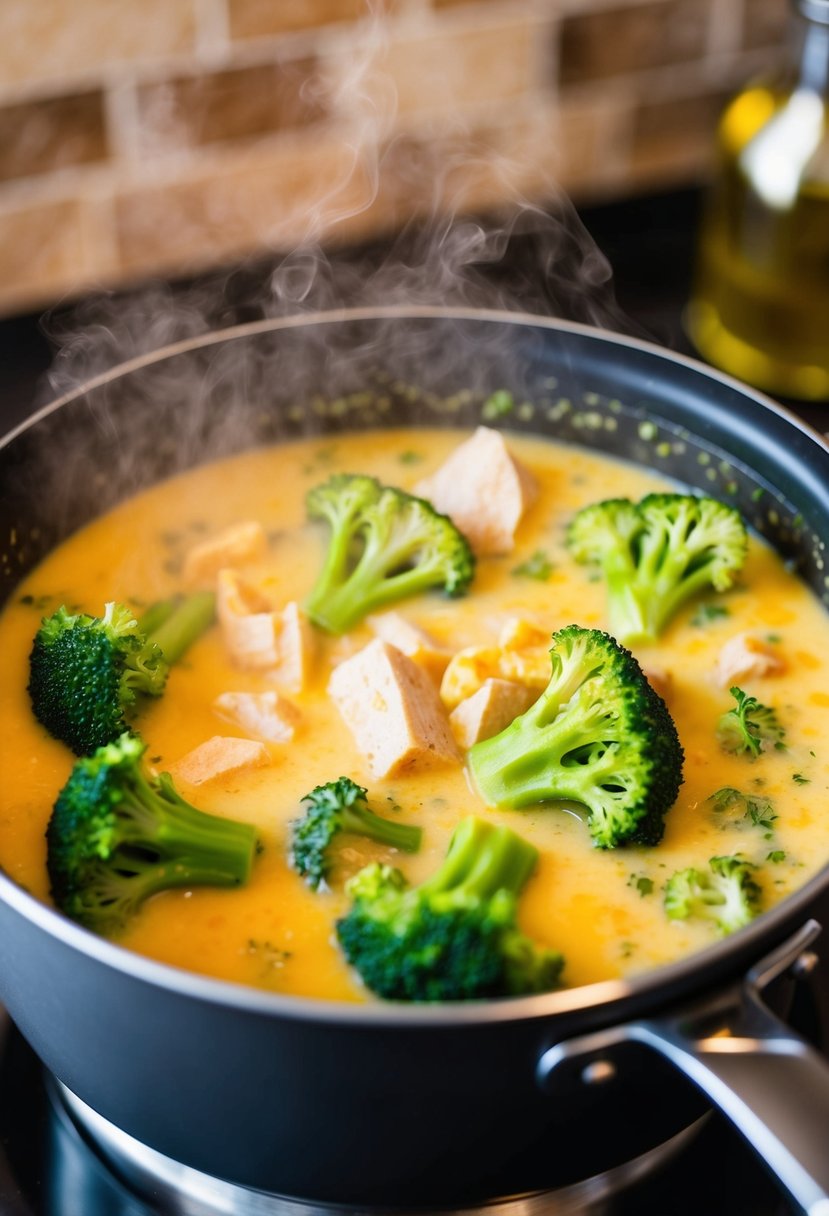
(385, 545)
(341, 806)
(598, 735)
(86, 672)
(733, 808)
(454, 937)
(728, 895)
(656, 554)
(750, 727)
(117, 836)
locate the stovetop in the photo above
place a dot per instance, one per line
(47, 1167)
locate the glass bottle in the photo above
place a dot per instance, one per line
(760, 302)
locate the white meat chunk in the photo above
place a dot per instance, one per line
(296, 648)
(243, 542)
(484, 490)
(519, 658)
(745, 656)
(265, 715)
(393, 710)
(221, 756)
(415, 642)
(258, 638)
(489, 710)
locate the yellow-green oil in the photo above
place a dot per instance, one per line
(760, 305)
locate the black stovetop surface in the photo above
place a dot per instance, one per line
(46, 1168)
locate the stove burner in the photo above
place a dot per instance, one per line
(51, 1165)
(178, 1190)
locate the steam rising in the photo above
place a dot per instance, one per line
(523, 256)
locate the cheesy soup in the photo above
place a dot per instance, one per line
(603, 909)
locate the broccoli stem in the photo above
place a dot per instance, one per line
(175, 844)
(157, 614)
(185, 623)
(538, 760)
(363, 822)
(370, 587)
(482, 859)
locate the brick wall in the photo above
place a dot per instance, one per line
(165, 136)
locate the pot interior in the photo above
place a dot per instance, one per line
(278, 381)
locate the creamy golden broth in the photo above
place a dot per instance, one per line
(278, 934)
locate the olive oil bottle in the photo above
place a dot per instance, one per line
(760, 303)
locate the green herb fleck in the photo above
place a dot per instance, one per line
(799, 779)
(749, 727)
(538, 567)
(706, 613)
(498, 405)
(641, 883)
(410, 457)
(776, 855)
(733, 808)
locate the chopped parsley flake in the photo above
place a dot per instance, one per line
(498, 405)
(706, 613)
(538, 567)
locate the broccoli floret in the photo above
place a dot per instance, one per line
(750, 727)
(656, 554)
(733, 808)
(385, 545)
(341, 806)
(455, 936)
(598, 735)
(86, 672)
(117, 836)
(727, 895)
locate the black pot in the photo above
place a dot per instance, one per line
(419, 1106)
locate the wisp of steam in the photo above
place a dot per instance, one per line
(522, 255)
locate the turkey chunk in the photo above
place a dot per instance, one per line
(746, 655)
(522, 656)
(220, 756)
(257, 637)
(239, 543)
(393, 711)
(266, 715)
(484, 490)
(415, 642)
(489, 710)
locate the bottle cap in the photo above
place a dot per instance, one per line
(814, 10)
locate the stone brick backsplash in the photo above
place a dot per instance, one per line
(147, 137)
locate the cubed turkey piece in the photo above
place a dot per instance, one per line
(393, 710)
(489, 710)
(745, 656)
(470, 668)
(265, 715)
(484, 491)
(221, 756)
(233, 546)
(258, 638)
(415, 642)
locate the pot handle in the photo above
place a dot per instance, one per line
(770, 1083)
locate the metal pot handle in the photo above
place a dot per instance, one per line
(770, 1083)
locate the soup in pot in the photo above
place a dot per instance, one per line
(603, 908)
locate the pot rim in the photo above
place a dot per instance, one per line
(749, 941)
